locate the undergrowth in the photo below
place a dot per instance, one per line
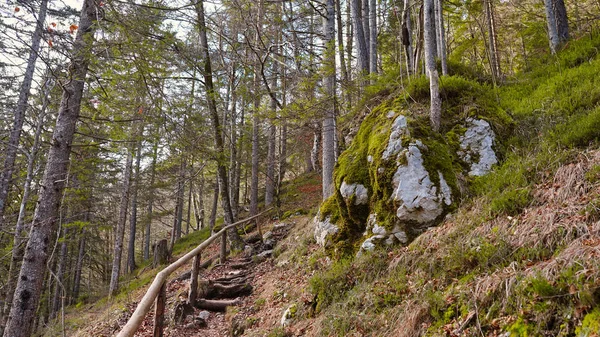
(492, 267)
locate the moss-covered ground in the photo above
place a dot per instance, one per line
(520, 254)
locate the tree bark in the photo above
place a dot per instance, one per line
(236, 241)
(150, 201)
(31, 277)
(59, 288)
(120, 230)
(256, 120)
(20, 109)
(270, 179)
(373, 39)
(213, 211)
(429, 32)
(441, 35)
(406, 38)
(328, 127)
(133, 221)
(359, 35)
(78, 267)
(20, 238)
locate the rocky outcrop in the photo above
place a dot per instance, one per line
(417, 197)
(411, 176)
(477, 147)
(324, 229)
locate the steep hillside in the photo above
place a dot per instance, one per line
(514, 252)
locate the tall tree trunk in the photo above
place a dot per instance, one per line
(31, 277)
(441, 35)
(562, 22)
(373, 39)
(20, 109)
(407, 40)
(340, 49)
(120, 230)
(215, 203)
(180, 198)
(429, 32)
(234, 238)
(78, 267)
(59, 288)
(361, 43)
(316, 149)
(328, 128)
(256, 119)
(20, 238)
(493, 53)
(133, 220)
(365, 16)
(552, 26)
(270, 176)
(150, 201)
(419, 46)
(189, 203)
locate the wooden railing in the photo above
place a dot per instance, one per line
(157, 291)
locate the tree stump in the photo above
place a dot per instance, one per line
(161, 253)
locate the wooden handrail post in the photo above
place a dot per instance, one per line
(159, 311)
(194, 280)
(224, 247)
(158, 286)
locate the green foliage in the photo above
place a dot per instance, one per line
(521, 328)
(590, 325)
(190, 241)
(332, 285)
(580, 130)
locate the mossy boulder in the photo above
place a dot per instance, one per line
(398, 177)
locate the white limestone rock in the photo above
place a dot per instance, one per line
(418, 198)
(399, 129)
(289, 314)
(361, 192)
(476, 147)
(324, 230)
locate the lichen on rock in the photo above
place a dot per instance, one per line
(477, 147)
(418, 198)
(359, 191)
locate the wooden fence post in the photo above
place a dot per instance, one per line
(194, 280)
(159, 311)
(224, 247)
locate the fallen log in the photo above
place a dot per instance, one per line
(208, 289)
(215, 305)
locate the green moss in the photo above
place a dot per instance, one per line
(521, 328)
(590, 325)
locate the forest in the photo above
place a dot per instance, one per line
(131, 131)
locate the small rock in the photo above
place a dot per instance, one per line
(265, 253)
(478, 142)
(379, 230)
(390, 240)
(360, 191)
(323, 230)
(399, 129)
(203, 315)
(267, 235)
(248, 250)
(401, 236)
(269, 244)
(368, 245)
(289, 314)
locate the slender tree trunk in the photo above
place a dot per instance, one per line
(19, 112)
(270, 179)
(365, 15)
(189, 205)
(373, 39)
(441, 35)
(31, 277)
(562, 22)
(359, 35)
(419, 45)
(59, 288)
(213, 211)
(429, 31)
(340, 43)
(329, 118)
(256, 120)
(234, 238)
(20, 238)
(406, 37)
(552, 26)
(180, 198)
(120, 231)
(150, 201)
(316, 149)
(78, 267)
(133, 221)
